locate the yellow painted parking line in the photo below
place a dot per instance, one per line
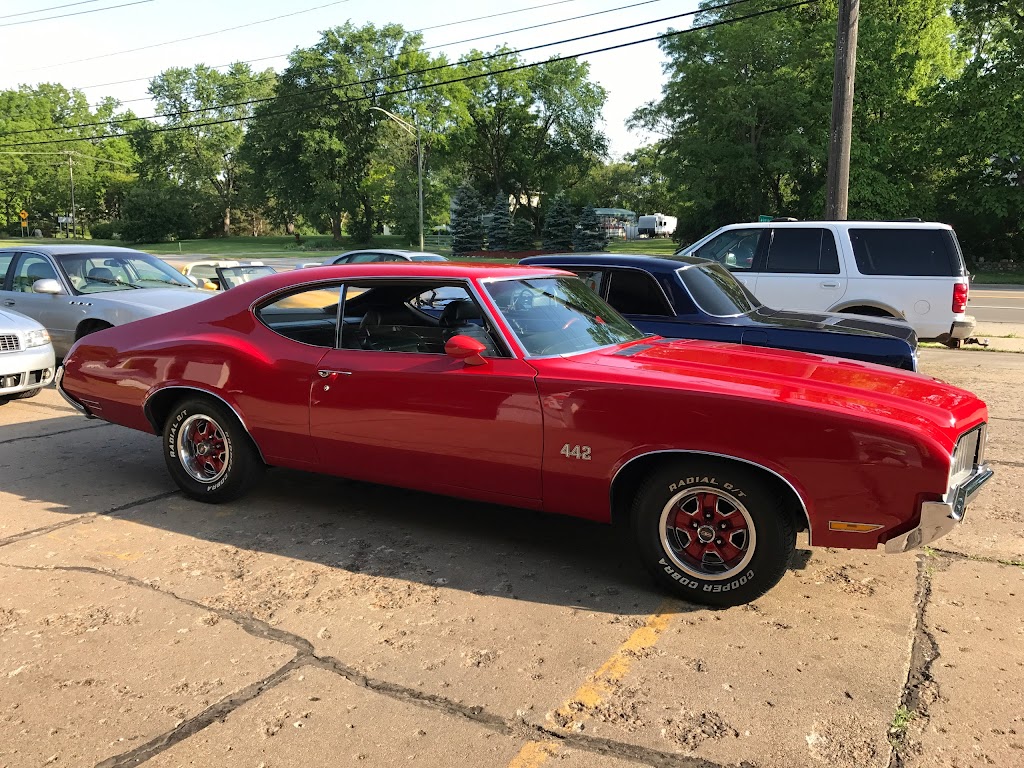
(599, 686)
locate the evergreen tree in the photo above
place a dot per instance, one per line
(589, 236)
(501, 223)
(467, 225)
(522, 235)
(558, 225)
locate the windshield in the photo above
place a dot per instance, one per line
(558, 315)
(118, 271)
(233, 276)
(716, 292)
(427, 257)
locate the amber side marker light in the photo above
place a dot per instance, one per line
(839, 525)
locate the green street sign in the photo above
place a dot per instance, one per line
(762, 218)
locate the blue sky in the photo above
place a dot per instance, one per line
(44, 51)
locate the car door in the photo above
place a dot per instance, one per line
(802, 269)
(56, 313)
(408, 414)
(738, 251)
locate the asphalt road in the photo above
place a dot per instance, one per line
(322, 621)
(997, 303)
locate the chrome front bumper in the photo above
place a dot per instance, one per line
(58, 379)
(940, 517)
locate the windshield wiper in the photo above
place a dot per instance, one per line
(164, 282)
(112, 281)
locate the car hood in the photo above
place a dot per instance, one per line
(15, 321)
(163, 299)
(860, 390)
(834, 321)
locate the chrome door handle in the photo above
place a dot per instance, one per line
(325, 373)
(8, 302)
(830, 285)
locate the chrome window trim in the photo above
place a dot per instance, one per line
(803, 504)
(151, 395)
(462, 282)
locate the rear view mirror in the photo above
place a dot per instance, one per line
(466, 349)
(47, 285)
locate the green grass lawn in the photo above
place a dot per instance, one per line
(232, 247)
(1002, 278)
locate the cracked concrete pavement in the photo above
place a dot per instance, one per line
(320, 620)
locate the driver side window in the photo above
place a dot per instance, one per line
(29, 269)
(735, 250)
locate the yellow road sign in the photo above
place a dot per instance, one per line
(24, 215)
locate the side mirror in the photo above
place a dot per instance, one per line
(192, 280)
(466, 349)
(47, 285)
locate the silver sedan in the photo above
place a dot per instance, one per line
(26, 357)
(74, 290)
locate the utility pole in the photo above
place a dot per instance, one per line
(412, 130)
(71, 176)
(838, 189)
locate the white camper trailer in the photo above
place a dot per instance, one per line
(657, 225)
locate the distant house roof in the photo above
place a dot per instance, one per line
(621, 213)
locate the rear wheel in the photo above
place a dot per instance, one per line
(713, 532)
(208, 453)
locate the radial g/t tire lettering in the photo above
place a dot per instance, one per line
(208, 453)
(713, 532)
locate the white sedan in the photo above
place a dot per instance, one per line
(26, 356)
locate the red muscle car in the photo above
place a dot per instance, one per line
(519, 385)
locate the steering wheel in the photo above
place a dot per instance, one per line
(522, 300)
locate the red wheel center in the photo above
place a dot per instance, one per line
(710, 530)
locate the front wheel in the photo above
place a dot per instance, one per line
(713, 532)
(208, 453)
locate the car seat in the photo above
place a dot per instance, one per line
(456, 320)
(38, 270)
(100, 273)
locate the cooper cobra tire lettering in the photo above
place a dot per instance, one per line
(770, 520)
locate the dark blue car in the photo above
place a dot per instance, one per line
(691, 298)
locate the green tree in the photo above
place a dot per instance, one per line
(558, 225)
(467, 222)
(522, 236)
(501, 222)
(529, 132)
(588, 235)
(202, 160)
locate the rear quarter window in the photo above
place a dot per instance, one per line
(914, 252)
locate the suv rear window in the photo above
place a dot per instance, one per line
(917, 252)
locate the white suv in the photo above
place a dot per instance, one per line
(905, 269)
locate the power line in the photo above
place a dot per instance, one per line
(371, 81)
(76, 13)
(431, 86)
(51, 8)
(186, 39)
(467, 40)
(283, 55)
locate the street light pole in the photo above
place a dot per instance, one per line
(412, 130)
(71, 176)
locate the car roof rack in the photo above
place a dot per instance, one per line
(908, 218)
(783, 218)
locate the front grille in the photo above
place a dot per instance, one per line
(9, 343)
(967, 455)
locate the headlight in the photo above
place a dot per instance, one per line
(37, 338)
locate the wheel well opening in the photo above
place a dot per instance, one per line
(88, 326)
(627, 484)
(159, 406)
(864, 309)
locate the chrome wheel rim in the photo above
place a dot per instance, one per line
(203, 449)
(708, 533)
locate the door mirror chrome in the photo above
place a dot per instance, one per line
(47, 285)
(466, 349)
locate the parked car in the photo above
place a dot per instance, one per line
(690, 298)
(657, 225)
(74, 290)
(904, 269)
(374, 255)
(26, 357)
(530, 391)
(204, 273)
(229, 277)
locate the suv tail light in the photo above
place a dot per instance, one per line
(959, 298)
